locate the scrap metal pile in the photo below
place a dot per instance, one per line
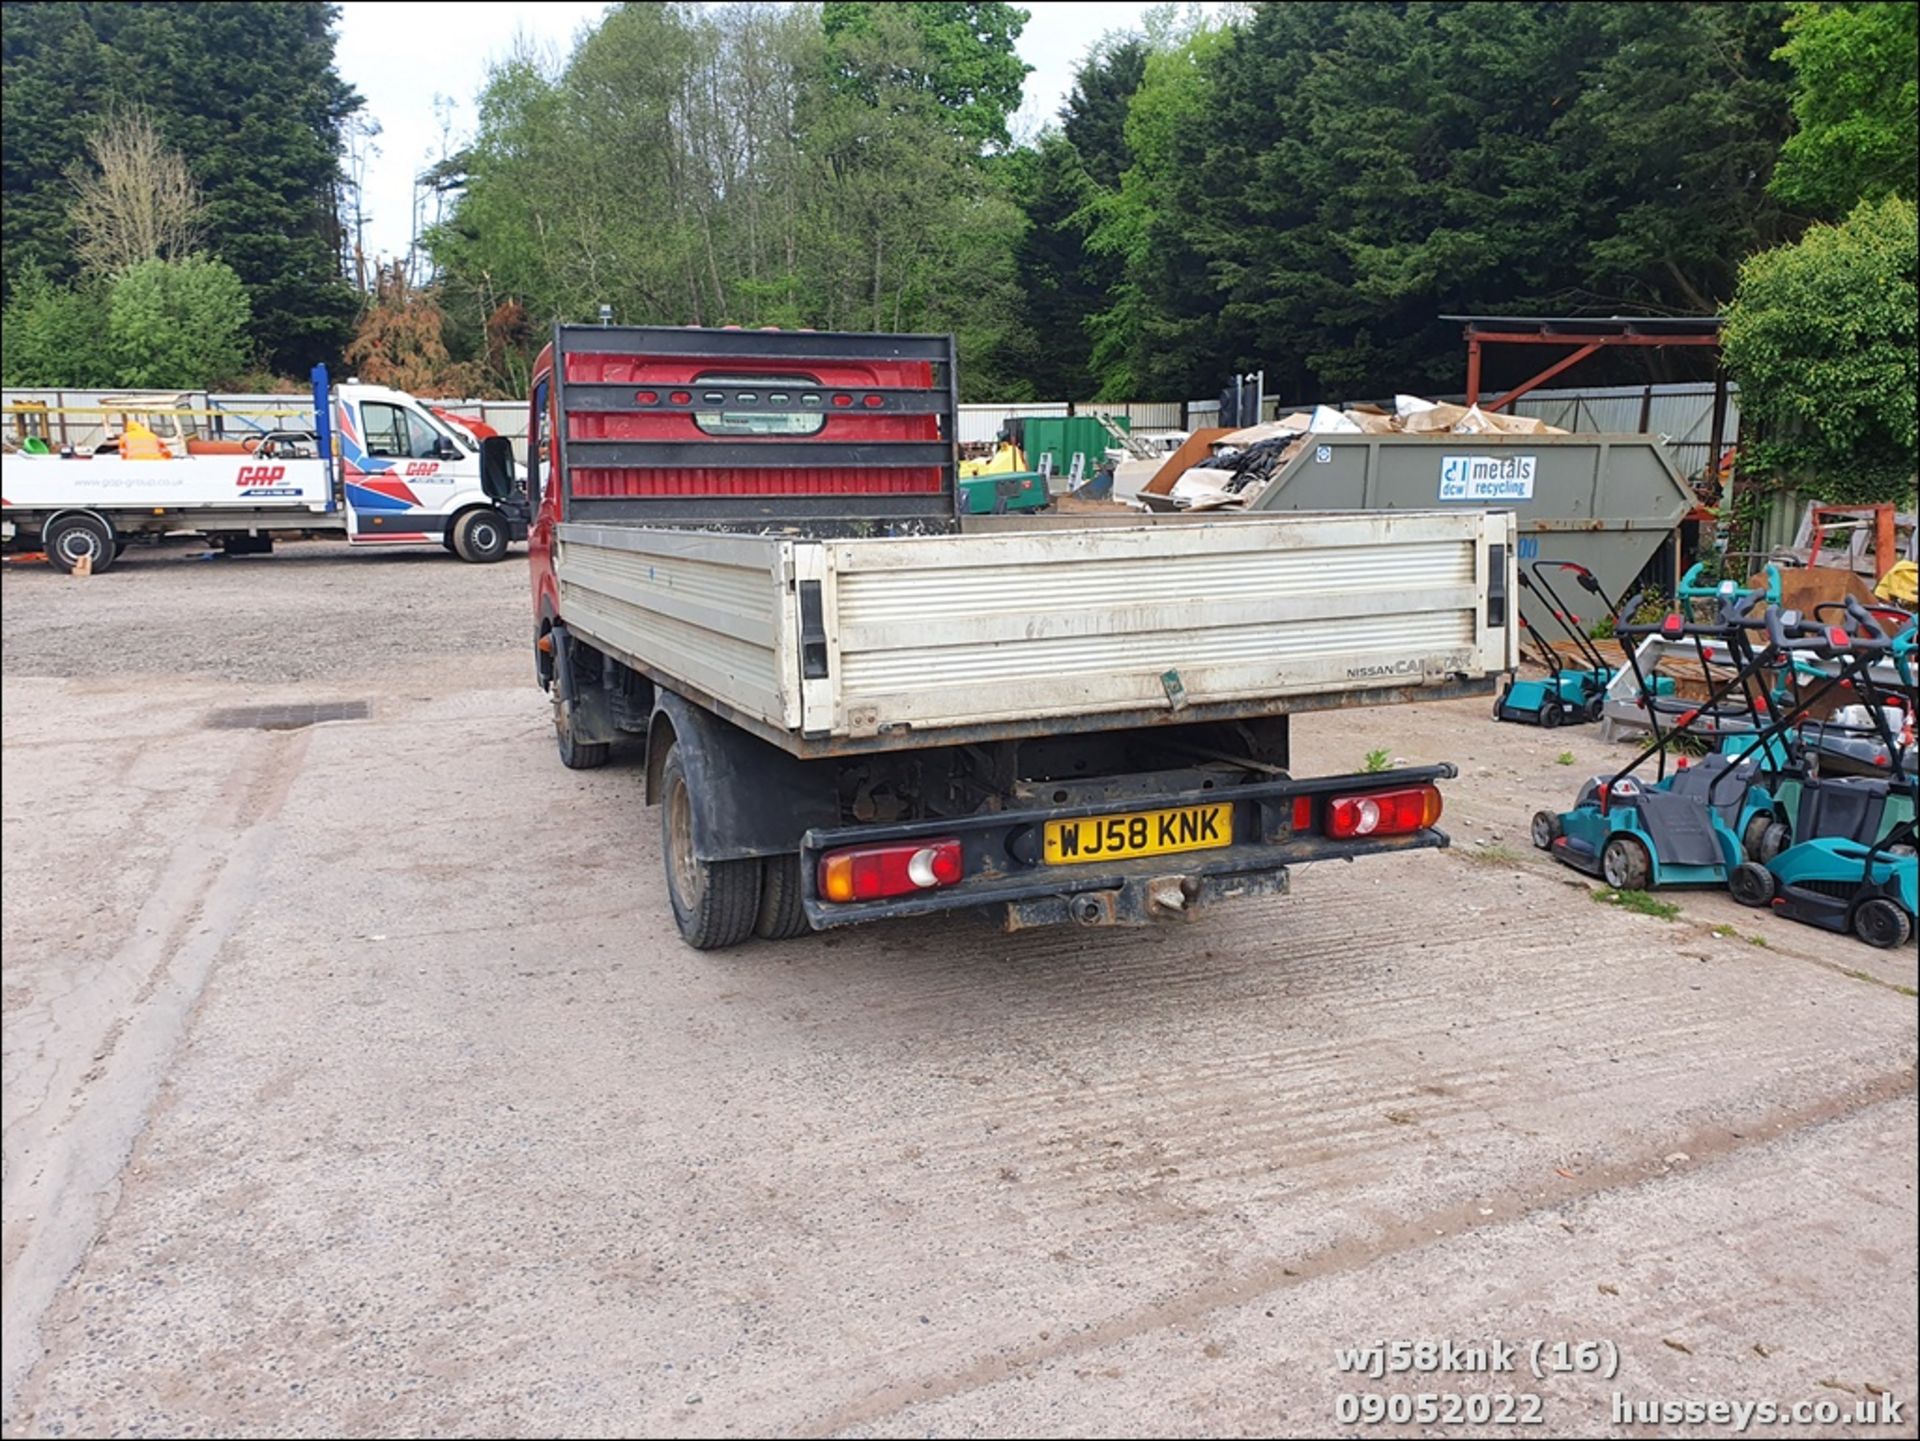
(1246, 460)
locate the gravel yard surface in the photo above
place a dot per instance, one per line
(356, 1082)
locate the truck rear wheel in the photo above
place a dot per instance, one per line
(782, 915)
(480, 536)
(72, 537)
(576, 754)
(715, 903)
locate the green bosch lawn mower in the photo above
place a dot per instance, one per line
(1851, 864)
(1567, 693)
(1692, 826)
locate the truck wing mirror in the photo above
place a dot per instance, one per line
(496, 467)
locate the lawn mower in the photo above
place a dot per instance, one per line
(1839, 884)
(1695, 826)
(1733, 710)
(1567, 693)
(1854, 741)
(1850, 865)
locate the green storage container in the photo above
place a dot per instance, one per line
(1063, 438)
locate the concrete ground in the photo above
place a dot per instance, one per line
(356, 1083)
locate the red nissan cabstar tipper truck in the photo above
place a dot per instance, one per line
(854, 703)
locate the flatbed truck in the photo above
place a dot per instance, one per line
(852, 702)
(367, 462)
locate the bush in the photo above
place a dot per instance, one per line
(54, 335)
(177, 324)
(1821, 336)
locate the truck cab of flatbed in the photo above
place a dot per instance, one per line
(851, 702)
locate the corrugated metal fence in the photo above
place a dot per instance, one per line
(981, 423)
(1682, 413)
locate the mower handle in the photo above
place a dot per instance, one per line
(1862, 616)
(1691, 588)
(1587, 579)
(1790, 632)
(1734, 608)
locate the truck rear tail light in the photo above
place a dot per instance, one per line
(1383, 813)
(873, 402)
(1302, 814)
(681, 397)
(843, 400)
(868, 873)
(646, 397)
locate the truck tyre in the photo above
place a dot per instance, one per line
(72, 536)
(782, 915)
(576, 754)
(715, 903)
(480, 536)
(1625, 864)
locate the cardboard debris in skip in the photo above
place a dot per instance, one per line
(1434, 419)
(1236, 465)
(1328, 421)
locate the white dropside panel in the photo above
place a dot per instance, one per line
(713, 611)
(944, 631)
(194, 482)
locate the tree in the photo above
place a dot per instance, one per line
(177, 325)
(247, 93)
(1311, 190)
(136, 201)
(1057, 184)
(398, 341)
(51, 335)
(1854, 104)
(1138, 346)
(711, 167)
(1058, 288)
(1093, 117)
(964, 61)
(1821, 338)
(1669, 222)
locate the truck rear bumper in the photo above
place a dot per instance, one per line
(1125, 892)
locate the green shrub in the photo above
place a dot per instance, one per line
(177, 324)
(1821, 336)
(54, 335)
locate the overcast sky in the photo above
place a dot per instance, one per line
(401, 55)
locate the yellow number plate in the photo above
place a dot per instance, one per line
(1145, 833)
